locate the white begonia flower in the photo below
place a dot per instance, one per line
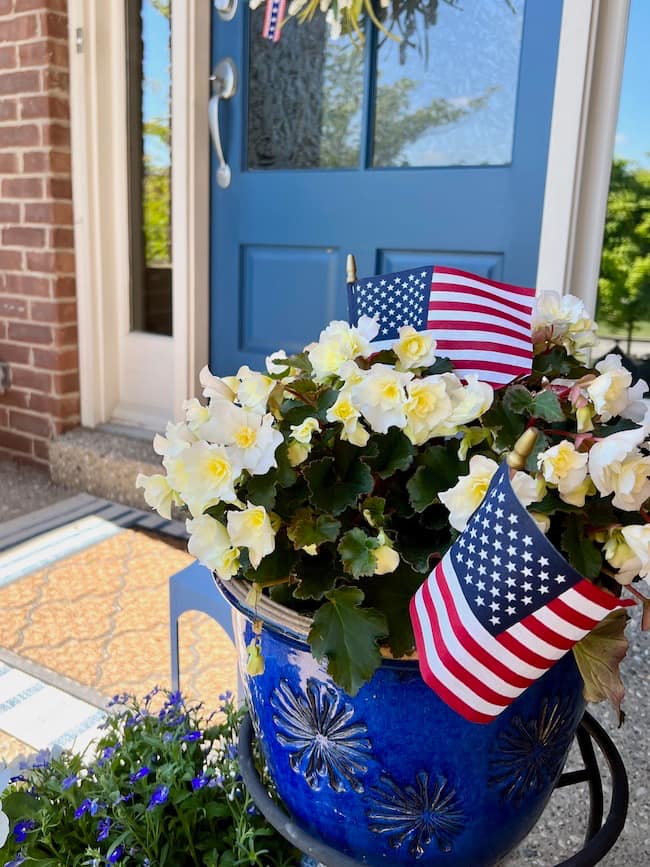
(467, 494)
(386, 560)
(177, 437)
(157, 493)
(566, 468)
(618, 467)
(216, 388)
(578, 495)
(543, 521)
(254, 389)
(637, 537)
(414, 349)
(619, 555)
(251, 528)
(351, 374)
(4, 826)
(339, 343)
(207, 476)
(381, 397)
(563, 319)
(609, 391)
(637, 408)
(469, 402)
(210, 543)
(345, 412)
(252, 439)
(334, 22)
(196, 413)
(303, 433)
(428, 406)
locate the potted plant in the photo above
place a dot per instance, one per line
(324, 491)
(160, 787)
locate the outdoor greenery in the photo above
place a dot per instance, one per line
(160, 789)
(624, 284)
(335, 481)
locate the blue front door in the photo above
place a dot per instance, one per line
(429, 150)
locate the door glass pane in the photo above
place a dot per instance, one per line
(305, 95)
(446, 94)
(623, 311)
(149, 164)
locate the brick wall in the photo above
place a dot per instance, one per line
(38, 332)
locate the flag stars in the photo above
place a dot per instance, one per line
(527, 586)
(481, 569)
(528, 541)
(560, 579)
(512, 534)
(527, 572)
(499, 512)
(510, 581)
(512, 551)
(480, 585)
(510, 610)
(494, 605)
(480, 600)
(510, 596)
(494, 591)
(543, 589)
(527, 600)
(527, 556)
(513, 519)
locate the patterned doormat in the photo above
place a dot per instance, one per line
(85, 615)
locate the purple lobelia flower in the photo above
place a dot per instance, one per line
(140, 774)
(158, 798)
(22, 828)
(103, 829)
(116, 854)
(69, 782)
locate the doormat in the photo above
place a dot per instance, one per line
(84, 600)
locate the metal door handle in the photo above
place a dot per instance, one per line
(226, 9)
(224, 86)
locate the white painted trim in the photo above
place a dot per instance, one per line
(585, 113)
(136, 378)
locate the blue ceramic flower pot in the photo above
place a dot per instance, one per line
(394, 776)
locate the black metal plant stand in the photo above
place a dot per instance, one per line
(599, 838)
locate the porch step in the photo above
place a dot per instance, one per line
(103, 463)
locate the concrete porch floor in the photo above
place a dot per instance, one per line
(111, 635)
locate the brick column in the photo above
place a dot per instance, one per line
(38, 331)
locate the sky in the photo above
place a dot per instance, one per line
(155, 97)
(633, 129)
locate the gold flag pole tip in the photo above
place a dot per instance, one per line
(517, 458)
(350, 269)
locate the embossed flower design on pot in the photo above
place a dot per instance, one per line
(417, 815)
(317, 729)
(530, 753)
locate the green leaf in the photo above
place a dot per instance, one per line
(276, 566)
(553, 363)
(440, 365)
(326, 399)
(517, 399)
(299, 361)
(373, 509)
(20, 805)
(507, 426)
(355, 549)
(261, 490)
(392, 594)
(599, 656)
(439, 471)
(416, 547)
(286, 474)
(309, 528)
(581, 552)
(384, 356)
(347, 635)
(390, 452)
(333, 490)
(316, 576)
(472, 436)
(546, 405)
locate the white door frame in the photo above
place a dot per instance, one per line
(132, 377)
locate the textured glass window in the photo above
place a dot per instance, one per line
(448, 97)
(305, 95)
(149, 131)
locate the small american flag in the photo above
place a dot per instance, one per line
(481, 325)
(273, 17)
(500, 609)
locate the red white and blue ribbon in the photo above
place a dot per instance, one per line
(273, 18)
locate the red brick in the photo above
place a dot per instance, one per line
(59, 188)
(62, 406)
(59, 262)
(10, 260)
(8, 162)
(13, 308)
(53, 213)
(26, 135)
(59, 360)
(44, 53)
(15, 442)
(60, 161)
(26, 284)
(9, 212)
(61, 239)
(4, 418)
(6, 6)
(56, 80)
(22, 188)
(66, 335)
(63, 287)
(16, 397)
(54, 25)
(17, 29)
(16, 353)
(42, 450)
(25, 332)
(56, 134)
(23, 81)
(22, 236)
(35, 161)
(8, 109)
(25, 422)
(44, 106)
(59, 312)
(36, 380)
(64, 383)
(50, 5)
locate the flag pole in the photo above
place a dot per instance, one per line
(517, 458)
(351, 281)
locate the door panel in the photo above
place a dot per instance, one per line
(300, 138)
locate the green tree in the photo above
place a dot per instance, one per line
(624, 283)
